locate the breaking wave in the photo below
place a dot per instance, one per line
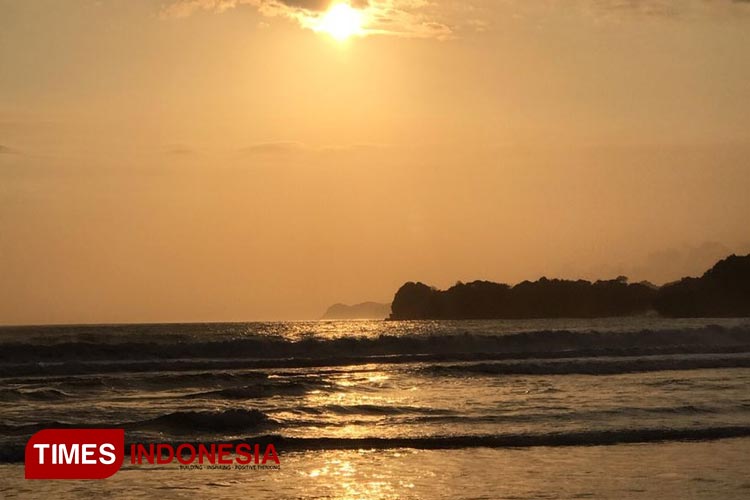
(365, 409)
(22, 359)
(592, 366)
(15, 453)
(176, 423)
(234, 420)
(258, 391)
(583, 438)
(12, 395)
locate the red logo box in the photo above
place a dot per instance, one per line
(74, 453)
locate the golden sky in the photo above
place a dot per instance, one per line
(204, 160)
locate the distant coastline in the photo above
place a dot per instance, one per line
(364, 310)
(722, 291)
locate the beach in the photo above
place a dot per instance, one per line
(483, 409)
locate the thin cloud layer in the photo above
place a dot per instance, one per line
(404, 18)
(283, 148)
(450, 18)
(616, 9)
(274, 148)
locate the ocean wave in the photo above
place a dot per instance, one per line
(46, 394)
(590, 366)
(19, 359)
(583, 438)
(149, 374)
(15, 452)
(364, 409)
(175, 423)
(577, 415)
(383, 345)
(186, 379)
(233, 420)
(79, 385)
(265, 390)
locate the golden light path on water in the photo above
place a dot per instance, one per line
(669, 471)
(350, 425)
(356, 389)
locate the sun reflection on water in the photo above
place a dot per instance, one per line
(349, 482)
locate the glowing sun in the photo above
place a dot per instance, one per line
(341, 21)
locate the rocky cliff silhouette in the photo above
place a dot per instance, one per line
(724, 290)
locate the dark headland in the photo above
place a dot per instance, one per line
(722, 291)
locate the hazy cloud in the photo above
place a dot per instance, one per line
(405, 18)
(179, 150)
(445, 19)
(671, 8)
(293, 147)
(614, 9)
(671, 264)
(279, 147)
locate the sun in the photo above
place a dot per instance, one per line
(341, 21)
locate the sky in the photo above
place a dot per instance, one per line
(231, 160)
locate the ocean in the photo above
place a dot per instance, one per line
(598, 408)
